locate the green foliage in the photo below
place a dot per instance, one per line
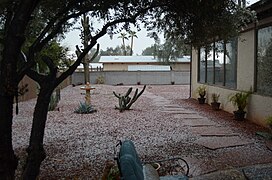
(117, 51)
(125, 101)
(53, 103)
(54, 100)
(84, 108)
(240, 99)
(149, 51)
(199, 22)
(215, 97)
(114, 173)
(100, 80)
(201, 90)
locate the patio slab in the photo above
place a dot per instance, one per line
(197, 122)
(189, 116)
(213, 131)
(173, 106)
(222, 142)
(174, 109)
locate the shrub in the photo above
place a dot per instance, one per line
(100, 80)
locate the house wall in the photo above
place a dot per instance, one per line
(124, 66)
(245, 64)
(259, 106)
(115, 67)
(31, 89)
(181, 66)
(133, 77)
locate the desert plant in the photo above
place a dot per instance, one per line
(125, 101)
(215, 97)
(84, 108)
(215, 104)
(239, 100)
(100, 80)
(53, 103)
(201, 90)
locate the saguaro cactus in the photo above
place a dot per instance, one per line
(125, 101)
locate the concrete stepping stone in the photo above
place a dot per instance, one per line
(222, 142)
(197, 122)
(177, 112)
(213, 131)
(172, 106)
(189, 116)
(262, 171)
(174, 109)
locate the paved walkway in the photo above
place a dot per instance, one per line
(217, 136)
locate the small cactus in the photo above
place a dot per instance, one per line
(125, 102)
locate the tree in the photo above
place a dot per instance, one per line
(199, 22)
(149, 51)
(110, 51)
(123, 36)
(169, 51)
(18, 17)
(132, 34)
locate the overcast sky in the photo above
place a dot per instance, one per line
(140, 43)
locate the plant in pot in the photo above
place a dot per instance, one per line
(240, 100)
(215, 104)
(201, 90)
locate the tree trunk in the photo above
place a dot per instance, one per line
(8, 160)
(36, 152)
(131, 48)
(124, 47)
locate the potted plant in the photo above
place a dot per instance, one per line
(239, 100)
(215, 104)
(201, 90)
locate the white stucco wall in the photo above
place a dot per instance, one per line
(245, 61)
(259, 106)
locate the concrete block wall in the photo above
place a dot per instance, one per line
(133, 77)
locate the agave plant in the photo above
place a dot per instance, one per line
(84, 108)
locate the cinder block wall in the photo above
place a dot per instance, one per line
(133, 77)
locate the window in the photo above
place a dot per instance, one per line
(264, 61)
(202, 66)
(231, 64)
(217, 64)
(210, 60)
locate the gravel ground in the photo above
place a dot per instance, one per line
(78, 145)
